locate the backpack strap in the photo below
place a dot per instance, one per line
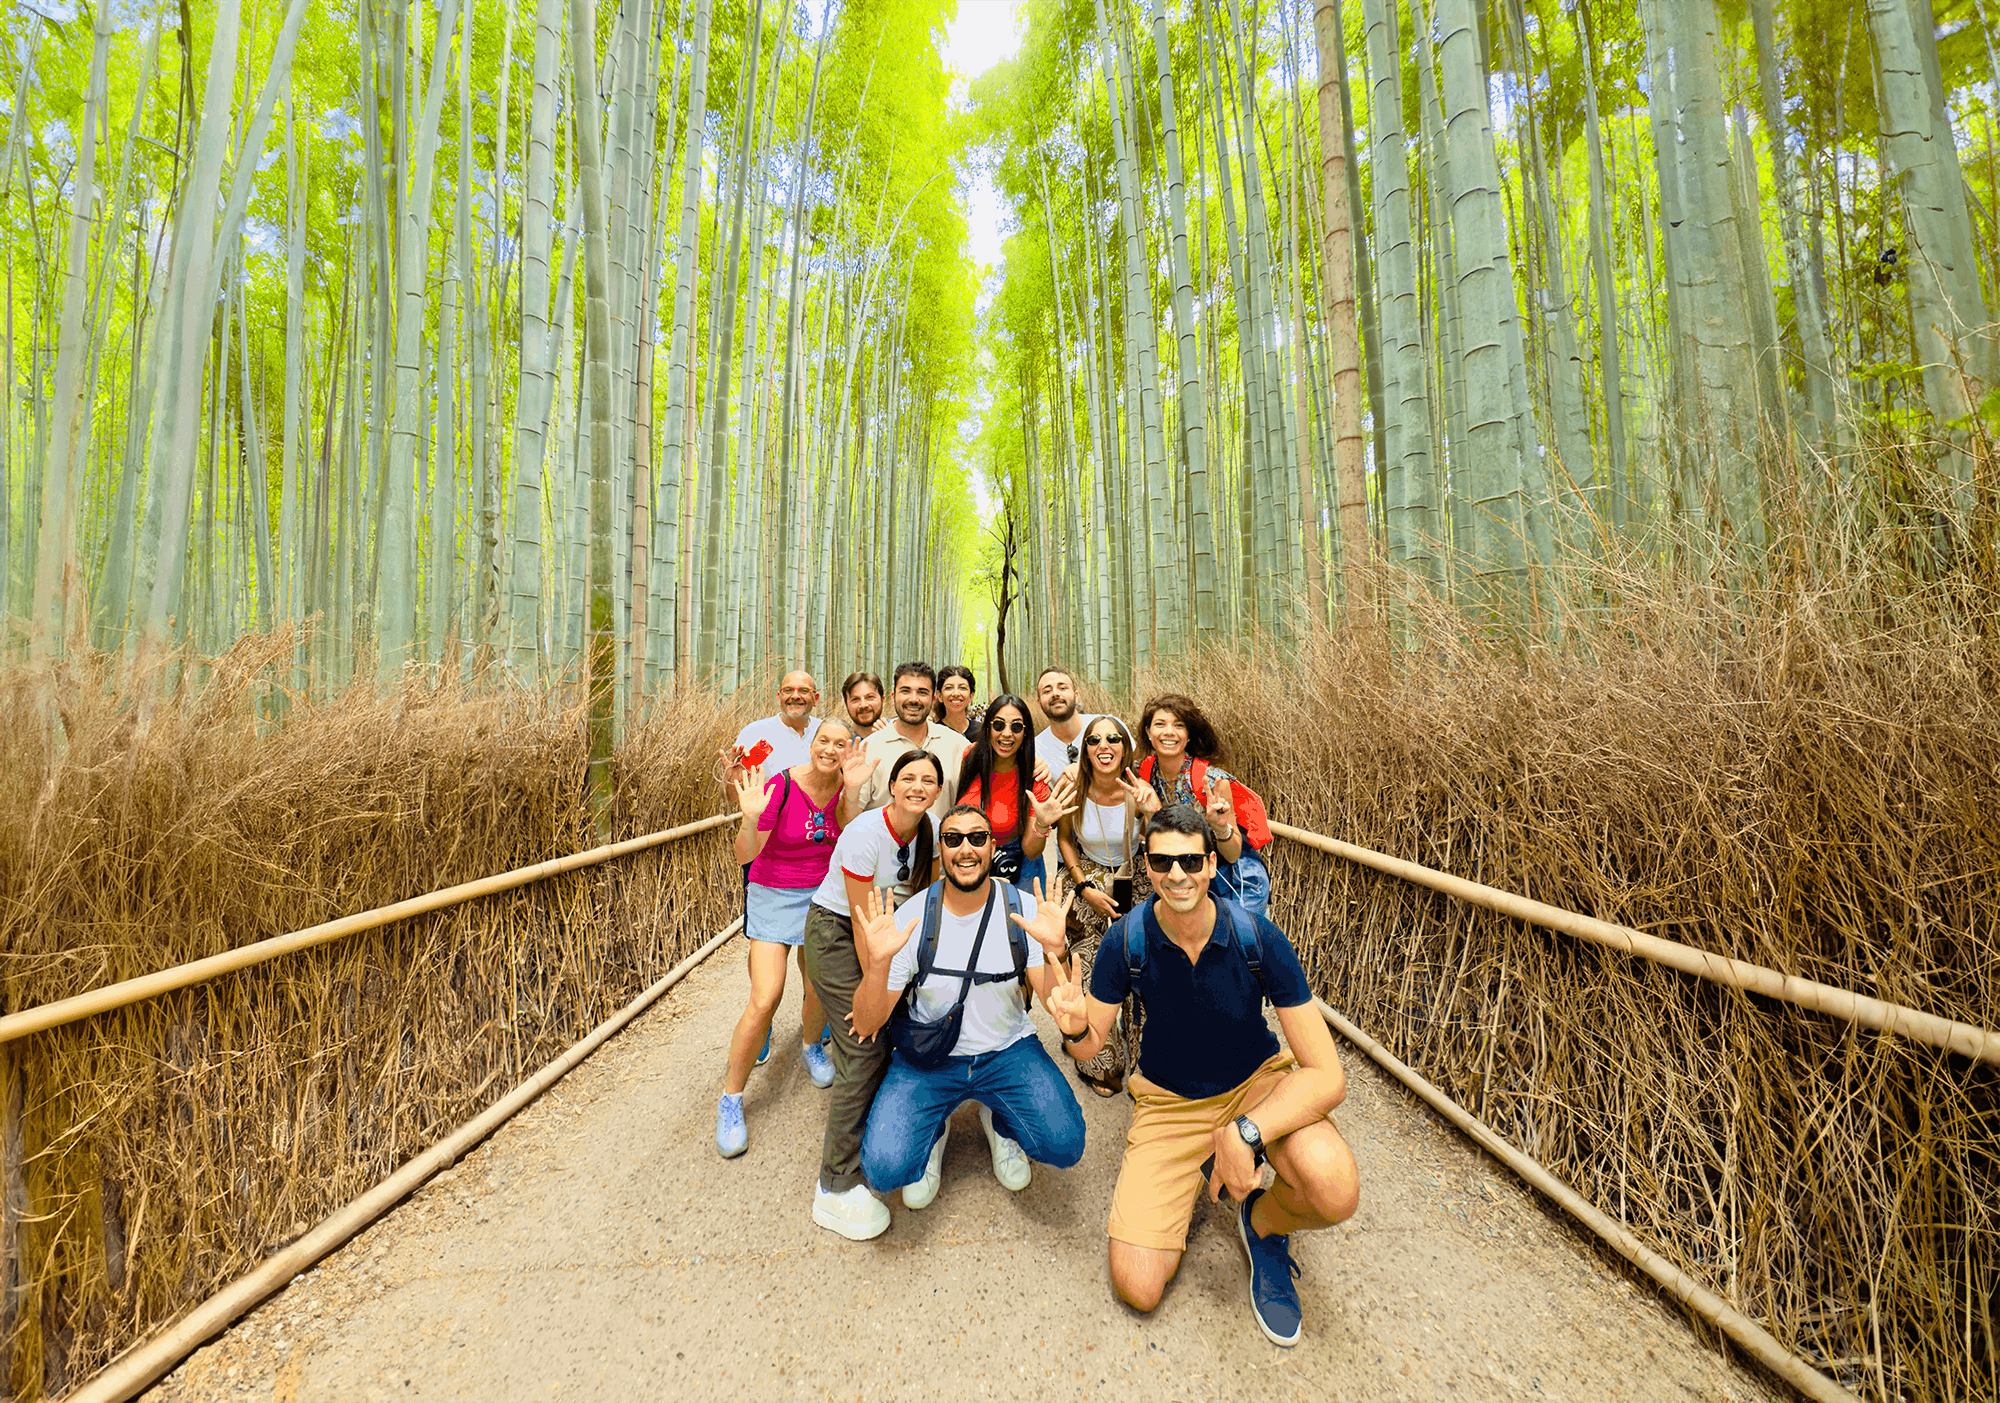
(1243, 926)
(1133, 926)
(1017, 939)
(927, 942)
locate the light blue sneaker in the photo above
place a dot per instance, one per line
(1274, 1300)
(732, 1136)
(818, 1065)
(765, 1055)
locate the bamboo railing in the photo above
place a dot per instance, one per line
(1965, 1039)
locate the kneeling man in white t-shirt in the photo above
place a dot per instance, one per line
(1026, 1105)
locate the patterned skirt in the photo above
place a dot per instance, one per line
(1086, 934)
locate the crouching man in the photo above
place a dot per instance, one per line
(964, 1034)
(1212, 1079)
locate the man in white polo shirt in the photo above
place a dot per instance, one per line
(911, 693)
(1058, 746)
(782, 741)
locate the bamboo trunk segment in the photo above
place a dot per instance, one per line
(1753, 1338)
(146, 1362)
(1965, 1039)
(130, 991)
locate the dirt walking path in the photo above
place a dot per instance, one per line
(597, 1248)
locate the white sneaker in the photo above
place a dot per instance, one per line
(1010, 1162)
(855, 1214)
(920, 1194)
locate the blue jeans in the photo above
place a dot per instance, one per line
(1030, 1100)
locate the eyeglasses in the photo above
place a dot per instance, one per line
(954, 840)
(1163, 863)
(1008, 728)
(903, 857)
(816, 829)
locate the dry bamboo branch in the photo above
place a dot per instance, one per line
(1965, 1039)
(1747, 1333)
(146, 986)
(146, 1362)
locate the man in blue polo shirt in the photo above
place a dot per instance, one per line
(1212, 1079)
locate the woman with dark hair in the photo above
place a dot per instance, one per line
(893, 846)
(1098, 840)
(956, 687)
(998, 775)
(1181, 757)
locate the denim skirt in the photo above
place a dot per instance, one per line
(776, 914)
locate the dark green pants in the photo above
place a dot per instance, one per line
(835, 972)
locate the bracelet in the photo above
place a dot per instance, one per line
(1222, 837)
(1069, 1038)
(1040, 829)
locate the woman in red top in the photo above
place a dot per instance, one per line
(997, 774)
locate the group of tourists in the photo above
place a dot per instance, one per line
(939, 866)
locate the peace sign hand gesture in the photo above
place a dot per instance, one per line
(1066, 1001)
(1051, 916)
(1138, 792)
(1221, 809)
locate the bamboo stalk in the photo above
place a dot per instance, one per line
(1979, 1044)
(1747, 1333)
(130, 991)
(143, 1364)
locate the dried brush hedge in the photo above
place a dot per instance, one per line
(1811, 783)
(158, 1152)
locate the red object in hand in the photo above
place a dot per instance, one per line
(757, 754)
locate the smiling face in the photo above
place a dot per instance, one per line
(956, 694)
(1055, 694)
(1181, 891)
(1104, 744)
(913, 700)
(1167, 735)
(829, 747)
(966, 865)
(915, 787)
(1008, 730)
(864, 705)
(797, 696)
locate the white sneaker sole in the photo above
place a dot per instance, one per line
(853, 1232)
(1243, 1236)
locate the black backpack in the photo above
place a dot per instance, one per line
(1131, 932)
(925, 1046)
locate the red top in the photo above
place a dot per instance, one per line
(1001, 813)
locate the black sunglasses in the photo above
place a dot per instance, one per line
(1164, 863)
(954, 840)
(903, 857)
(1008, 728)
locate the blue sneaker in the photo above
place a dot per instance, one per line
(732, 1136)
(765, 1055)
(1273, 1298)
(818, 1065)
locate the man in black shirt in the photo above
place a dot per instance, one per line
(1212, 1079)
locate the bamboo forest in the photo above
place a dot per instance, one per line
(1548, 450)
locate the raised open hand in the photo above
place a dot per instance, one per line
(1061, 802)
(856, 768)
(1139, 792)
(875, 933)
(748, 792)
(1051, 916)
(1221, 810)
(1066, 1001)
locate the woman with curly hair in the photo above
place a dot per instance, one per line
(1099, 840)
(1181, 757)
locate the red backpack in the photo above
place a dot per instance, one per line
(1250, 815)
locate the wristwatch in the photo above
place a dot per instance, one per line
(1252, 1136)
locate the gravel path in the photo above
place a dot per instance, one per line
(597, 1248)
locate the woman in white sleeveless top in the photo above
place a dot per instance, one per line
(1098, 840)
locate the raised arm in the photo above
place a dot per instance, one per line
(751, 801)
(877, 941)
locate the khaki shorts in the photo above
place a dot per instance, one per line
(1164, 1150)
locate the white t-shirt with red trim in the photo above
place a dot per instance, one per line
(868, 852)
